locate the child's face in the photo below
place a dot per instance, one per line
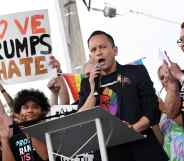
(30, 111)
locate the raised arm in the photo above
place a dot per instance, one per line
(59, 89)
(7, 96)
(5, 134)
(87, 97)
(172, 102)
(54, 92)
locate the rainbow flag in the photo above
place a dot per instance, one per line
(138, 61)
(73, 81)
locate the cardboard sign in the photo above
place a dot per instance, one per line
(25, 47)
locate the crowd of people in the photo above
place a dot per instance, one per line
(125, 91)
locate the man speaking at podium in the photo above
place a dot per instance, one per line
(126, 92)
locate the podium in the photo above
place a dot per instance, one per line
(75, 133)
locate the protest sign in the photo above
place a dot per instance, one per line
(25, 47)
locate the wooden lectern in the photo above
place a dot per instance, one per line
(83, 132)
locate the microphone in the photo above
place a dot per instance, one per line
(97, 85)
(97, 81)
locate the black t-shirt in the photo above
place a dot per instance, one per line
(21, 146)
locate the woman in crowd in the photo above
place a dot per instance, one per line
(172, 121)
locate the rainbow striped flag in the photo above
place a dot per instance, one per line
(138, 61)
(73, 80)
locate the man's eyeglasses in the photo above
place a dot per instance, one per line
(180, 42)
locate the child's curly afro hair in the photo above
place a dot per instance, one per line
(31, 95)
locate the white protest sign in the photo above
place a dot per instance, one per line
(25, 47)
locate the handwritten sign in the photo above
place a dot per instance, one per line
(25, 47)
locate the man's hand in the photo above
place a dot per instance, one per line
(142, 124)
(95, 72)
(56, 84)
(54, 63)
(176, 71)
(174, 68)
(128, 124)
(53, 85)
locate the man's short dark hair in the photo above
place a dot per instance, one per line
(182, 25)
(98, 32)
(31, 95)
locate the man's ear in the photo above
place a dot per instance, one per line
(90, 56)
(115, 50)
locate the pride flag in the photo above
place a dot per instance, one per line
(138, 61)
(73, 80)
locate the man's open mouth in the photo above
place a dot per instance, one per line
(101, 60)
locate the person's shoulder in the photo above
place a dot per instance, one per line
(138, 71)
(128, 67)
(132, 66)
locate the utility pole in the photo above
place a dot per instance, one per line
(72, 32)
